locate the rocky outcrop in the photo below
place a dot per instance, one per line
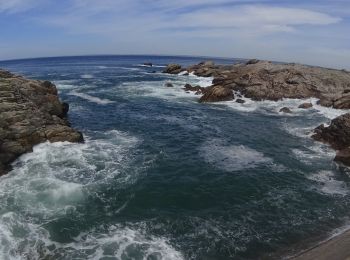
(198, 89)
(263, 80)
(337, 135)
(285, 110)
(30, 113)
(305, 106)
(216, 94)
(173, 69)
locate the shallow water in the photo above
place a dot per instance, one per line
(164, 177)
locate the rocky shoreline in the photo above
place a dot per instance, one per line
(30, 113)
(265, 80)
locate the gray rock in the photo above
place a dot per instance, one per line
(30, 113)
(285, 110)
(305, 105)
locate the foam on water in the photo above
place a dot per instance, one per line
(51, 181)
(328, 184)
(87, 76)
(315, 153)
(232, 157)
(90, 98)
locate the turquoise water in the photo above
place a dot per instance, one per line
(161, 176)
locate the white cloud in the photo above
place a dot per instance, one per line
(14, 6)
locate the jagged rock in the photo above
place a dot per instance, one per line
(197, 89)
(149, 64)
(342, 102)
(216, 93)
(240, 101)
(337, 135)
(305, 105)
(263, 80)
(252, 61)
(173, 69)
(30, 113)
(169, 85)
(285, 110)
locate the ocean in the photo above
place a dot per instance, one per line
(162, 176)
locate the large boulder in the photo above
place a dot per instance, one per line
(30, 113)
(216, 93)
(285, 110)
(305, 105)
(337, 135)
(173, 69)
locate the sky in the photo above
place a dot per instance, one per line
(315, 32)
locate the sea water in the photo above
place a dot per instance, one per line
(161, 176)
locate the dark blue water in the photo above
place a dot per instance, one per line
(164, 177)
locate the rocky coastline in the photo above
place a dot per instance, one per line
(265, 80)
(30, 113)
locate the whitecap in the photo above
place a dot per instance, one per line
(87, 76)
(232, 157)
(90, 98)
(328, 184)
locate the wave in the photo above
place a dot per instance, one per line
(232, 157)
(87, 76)
(328, 184)
(91, 98)
(52, 181)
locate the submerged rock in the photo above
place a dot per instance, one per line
(217, 93)
(149, 64)
(240, 101)
(30, 113)
(169, 85)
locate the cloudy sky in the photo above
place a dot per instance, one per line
(307, 31)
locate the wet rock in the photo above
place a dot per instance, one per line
(337, 135)
(240, 101)
(216, 93)
(30, 113)
(197, 89)
(285, 110)
(305, 105)
(148, 64)
(169, 85)
(173, 69)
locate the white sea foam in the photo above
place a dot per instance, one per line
(232, 157)
(51, 181)
(87, 76)
(315, 153)
(327, 183)
(90, 98)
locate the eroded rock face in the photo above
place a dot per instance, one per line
(216, 94)
(263, 80)
(337, 135)
(30, 113)
(173, 69)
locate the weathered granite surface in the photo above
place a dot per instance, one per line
(30, 113)
(264, 80)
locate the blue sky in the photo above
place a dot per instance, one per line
(312, 32)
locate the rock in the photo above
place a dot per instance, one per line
(208, 63)
(148, 64)
(216, 93)
(30, 113)
(342, 102)
(305, 105)
(337, 135)
(173, 69)
(169, 85)
(241, 101)
(252, 61)
(285, 110)
(189, 87)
